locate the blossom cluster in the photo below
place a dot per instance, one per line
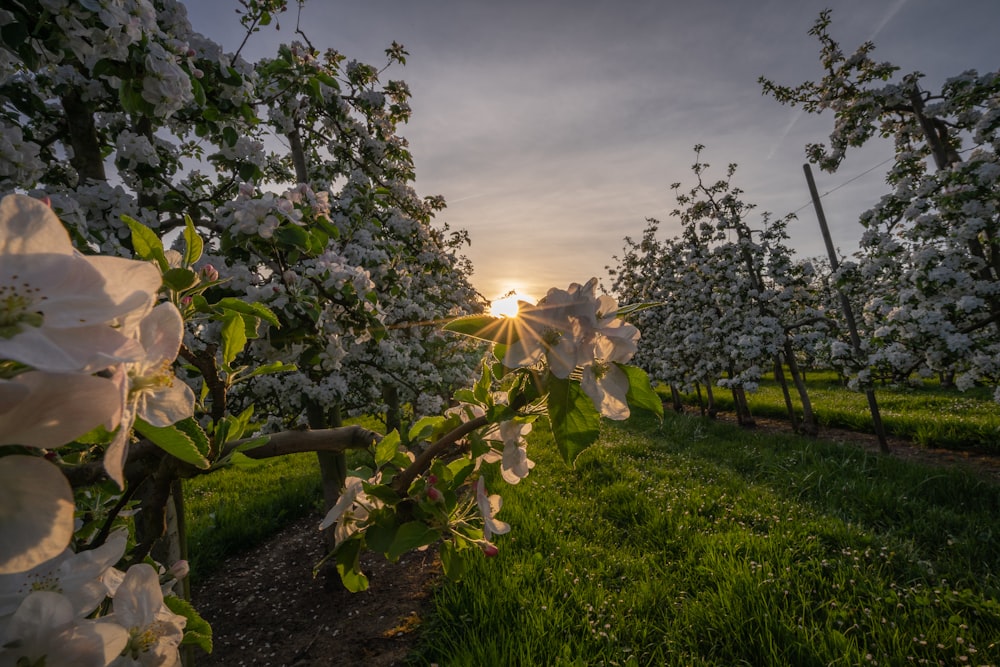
(82, 345)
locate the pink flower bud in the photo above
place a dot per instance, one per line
(432, 479)
(186, 300)
(180, 569)
(490, 550)
(209, 273)
(434, 495)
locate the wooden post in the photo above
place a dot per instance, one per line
(846, 305)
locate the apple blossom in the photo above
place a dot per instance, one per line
(154, 632)
(55, 304)
(148, 388)
(45, 630)
(36, 513)
(488, 507)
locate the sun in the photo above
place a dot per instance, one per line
(506, 306)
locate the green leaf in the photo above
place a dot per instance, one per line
(640, 391)
(636, 307)
(273, 367)
(173, 441)
(460, 469)
(380, 534)
(349, 566)
(230, 136)
(484, 327)
(465, 396)
(234, 337)
(293, 235)
(385, 450)
(146, 244)
(454, 561)
(192, 429)
(179, 279)
(249, 308)
(411, 536)
(425, 428)
(197, 631)
(575, 421)
(193, 245)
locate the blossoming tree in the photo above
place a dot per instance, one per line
(930, 251)
(148, 308)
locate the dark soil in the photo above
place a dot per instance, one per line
(266, 608)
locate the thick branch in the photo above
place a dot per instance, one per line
(321, 440)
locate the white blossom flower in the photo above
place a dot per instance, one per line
(154, 632)
(36, 512)
(488, 507)
(148, 387)
(78, 577)
(350, 511)
(55, 304)
(45, 631)
(514, 462)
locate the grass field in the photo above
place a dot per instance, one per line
(925, 413)
(697, 543)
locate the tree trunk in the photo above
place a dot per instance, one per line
(779, 376)
(809, 424)
(713, 411)
(393, 411)
(675, 397)
(82, 134)
(332, 465)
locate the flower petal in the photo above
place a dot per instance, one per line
(36, 512)
(56, 408)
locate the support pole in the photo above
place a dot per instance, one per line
(846, 305)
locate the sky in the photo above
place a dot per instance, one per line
(555, 128)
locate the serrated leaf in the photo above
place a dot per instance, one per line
(273, 367)
(454, 561)
(424, 428)
(234, 337)
(640, 391)
(385, 450)
(197, 631)
(380, 534)
(173, 441)
(636, 307)
(179, 279)
(484, 327)
(249, 308)
(193, 245)
(575, 421)
(349, 566)
(146, 244)
(193, 430)
(411, 536)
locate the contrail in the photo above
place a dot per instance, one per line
(888, 17)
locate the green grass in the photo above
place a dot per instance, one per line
(234, 509)
(231, 510)
(925, 413)
(699, 544)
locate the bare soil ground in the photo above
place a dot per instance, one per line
(269, 610)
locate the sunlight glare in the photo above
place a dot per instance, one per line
(507, 306)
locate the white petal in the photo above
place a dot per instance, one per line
(168, 405)
(139, 597)
(57, 408)
(29, 226)
(131, 285)
(84, 349)
(161, 333)
(609, 392)
(36, 512)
